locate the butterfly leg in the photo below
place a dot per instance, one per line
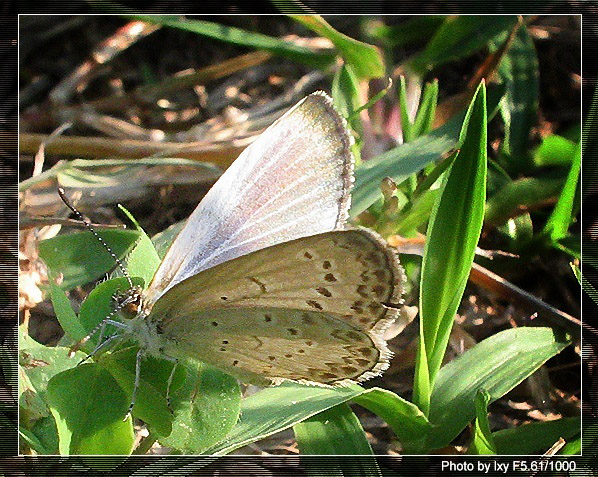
(170, 378)
(99, 347)
(136, 384)
(101, 327)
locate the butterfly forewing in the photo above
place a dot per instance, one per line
(315, 304)
(293, 181)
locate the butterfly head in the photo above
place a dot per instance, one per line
(129, 302)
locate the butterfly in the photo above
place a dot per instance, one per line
(266, 281)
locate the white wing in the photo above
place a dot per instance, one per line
(294, 180)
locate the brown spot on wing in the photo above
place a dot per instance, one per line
(324, 291)
(379, 290)
(362, 290)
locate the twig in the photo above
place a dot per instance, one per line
(108, 49)
(96, 147)
(499, 286)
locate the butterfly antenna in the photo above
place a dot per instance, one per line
(87, 224)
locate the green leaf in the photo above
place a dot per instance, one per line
(143, 261)
(405, 419)
(30, 439)
(496, 364)
(42, 363)
(400, 163)
(237, 36)
(576, 271)
(150, 403)
(205, 410)
(482, 443)
(365, 60)
(572, 447)
(275, 409)
(162, 240)
(555, 150)
(519, 229)
(68, 319)
(88, 406)
(520, 73)
(46, 432)
(81, 258)
(335, 431)
(522, 194)
(459, 37)
(424, 116)
(345, 91)
(453, 233)
(535, 437)
(564, 212)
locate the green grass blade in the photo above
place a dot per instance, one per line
(414, 30)
(459, 37)
(535, 437)
(452, 237)
(143, 261)
(573, 447)
(406, 125)
(497, 364)
(245, 38)
(564, 212)
(335, 431)
(554, 150)
(482, 443)
(519, 72)
(345, 95)
(399, 163)
(366, 60)
(275, 409)
(522, 194)
(427, 110)
(406, 420)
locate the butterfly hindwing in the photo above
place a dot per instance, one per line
(330, 288)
